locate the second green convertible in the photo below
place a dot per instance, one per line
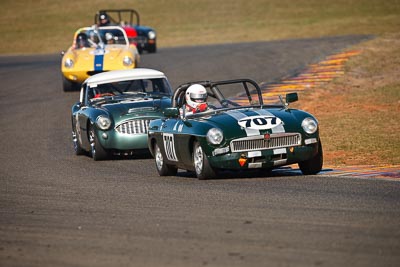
(115, 109)
(226, 125)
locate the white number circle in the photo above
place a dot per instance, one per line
(260, 122)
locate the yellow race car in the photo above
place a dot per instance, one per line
(94, 50)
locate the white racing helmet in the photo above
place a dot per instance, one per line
(109, 36)
(196, 97)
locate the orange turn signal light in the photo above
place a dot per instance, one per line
(242, 161)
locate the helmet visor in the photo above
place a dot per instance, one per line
(198, 97)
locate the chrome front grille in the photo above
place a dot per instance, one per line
(260, 142)
(133, 127)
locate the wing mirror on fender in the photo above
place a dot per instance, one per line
(291, 97)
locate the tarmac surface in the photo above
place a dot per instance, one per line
(57, 209)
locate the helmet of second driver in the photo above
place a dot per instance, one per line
(82, 40)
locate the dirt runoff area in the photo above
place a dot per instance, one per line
(359, 110)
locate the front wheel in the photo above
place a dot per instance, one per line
(75, 141)
(201, 165)
(163, 168)
(97, 151)
(314, 164)
(68, 85)
(152, 48)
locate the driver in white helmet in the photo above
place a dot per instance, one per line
(196, 99)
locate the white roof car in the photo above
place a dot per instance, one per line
(123, 75)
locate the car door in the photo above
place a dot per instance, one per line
(176, 141)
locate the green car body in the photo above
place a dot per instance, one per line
(255, 135)
(115, 109)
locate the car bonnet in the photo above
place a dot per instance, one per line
(248, 122)
(135, 107)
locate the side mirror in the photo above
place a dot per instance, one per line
(171, 112)
(291, 97)
(76, 106)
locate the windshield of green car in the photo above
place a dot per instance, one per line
(228, 95)
(156, 87)
(233, 95)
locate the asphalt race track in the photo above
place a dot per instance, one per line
(57, 209)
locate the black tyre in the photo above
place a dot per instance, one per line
(201, 165)
(68, 85)
(97, 151)
(77, 146)
(313, 165)
(163, 168)
(152, 48)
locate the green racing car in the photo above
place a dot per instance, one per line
(115, 109)
(226, 125)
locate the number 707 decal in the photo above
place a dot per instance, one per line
(260, 122)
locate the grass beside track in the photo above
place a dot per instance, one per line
(358, 113)
(47, 26)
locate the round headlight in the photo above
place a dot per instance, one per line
(215, 136)
(309, 125)
(127, 61)
(68, 63)
(151, 35)
(103, 122)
